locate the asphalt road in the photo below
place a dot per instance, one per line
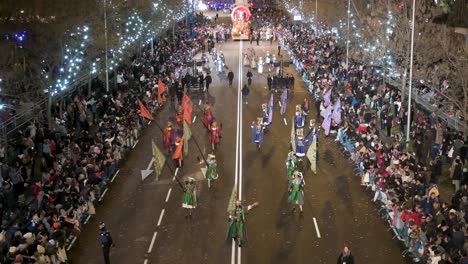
(144, 233)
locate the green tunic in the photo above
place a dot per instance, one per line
(189, 198)
(212, 171)
(237, 226)
(290, 169)
(296, 195)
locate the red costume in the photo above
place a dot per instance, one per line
(179, 117)
(168, 136)
(215, 133)
(208, 117)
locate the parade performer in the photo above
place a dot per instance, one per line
(268, 58)
(179, 116)
(260, 65)
(301, 143)
(253, 64)
(299, 118)
(208, 117)
(169, 137)
(257, 133)
(291, 164)
(189, 198)
(246, 60)
(177, 156)
(296, 191)
(212, 172)
(215, 134)
(237, 222)
(219, 64)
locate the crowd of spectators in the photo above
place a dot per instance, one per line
(52, 177)
(402, 178)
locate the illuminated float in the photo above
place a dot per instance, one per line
(240, 23)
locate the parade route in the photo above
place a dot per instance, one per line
(149, 225)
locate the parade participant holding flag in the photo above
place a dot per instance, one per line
(301, 143)
(189, 198)
(291, 163)
(169, 137)
(265, 115)
(296, 191)
(257, 133)
(237, 221)
(215, 134)
(177, 155)
(208, 116)
(299, 118)
(211, 169)
(179, 116)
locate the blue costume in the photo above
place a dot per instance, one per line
(301, 144)
(299, 119)
(257, 134)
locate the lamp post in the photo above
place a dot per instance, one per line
(408, 125)
(105, 44)
(347, 38)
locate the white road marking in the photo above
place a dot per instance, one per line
(285, 122)
(136, 143)
(168, 194)
(115, 176)
(241, 76)
(199, 102)
(146, 261)
(194, 119)
(103, 194)
(239, 256)
(233, 255)
(161, 217)
(316, 228)
(149, 123)
(152, 242)
(176, 171)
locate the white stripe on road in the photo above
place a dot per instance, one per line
(149, 123)
(146, 261)
(168, 194)
(136, 143)
(316, 228)
(199, 102)
(161, 217)
(103, 194)
(285, 122)
(241, 76)
(194, 119)
(239, 256)
(115, 176)
(152, 242)
(233, 250)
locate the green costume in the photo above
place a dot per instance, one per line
(189, 199)
(212, 170)
(237, 226)
(291, 167)
(296, 194)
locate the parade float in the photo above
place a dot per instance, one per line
(240, 23)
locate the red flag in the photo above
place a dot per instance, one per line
(144, 112)
(188, 113)
(185, 100)
(161, 90)
(178, 151)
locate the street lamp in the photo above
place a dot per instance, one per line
(105, 44)
(410, 73)
(347, 39)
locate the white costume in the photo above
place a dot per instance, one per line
(260, 65)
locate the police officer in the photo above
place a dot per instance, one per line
(105, 239)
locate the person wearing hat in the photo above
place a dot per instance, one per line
(296, 191)
(106, 241)
(208, 116)
(211, 169)
(299, 118)
(189, 198)
(179, 116)
(215, 134)
(291, 164)
(237, 221)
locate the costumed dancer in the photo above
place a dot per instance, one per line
(265, 115)
(253, 64)
(246, 60)
(296, 191)
(169, 137)
(179, 116)
(208, 117)
(215, 134)
(260, 65)
(189, 198)
(219, 64)
(268, 58)
(177, 156)
(211, 169)
(301, 143)
(257, 133)
(299, 118)
(237, 221)
(291, 164)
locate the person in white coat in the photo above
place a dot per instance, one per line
(260, 65)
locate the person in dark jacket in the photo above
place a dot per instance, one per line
(106, 241)
(436, 169)
(230, 77)
(345, 257)
(208, 81)
(245, 93)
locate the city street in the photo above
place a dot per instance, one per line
(149, 225)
